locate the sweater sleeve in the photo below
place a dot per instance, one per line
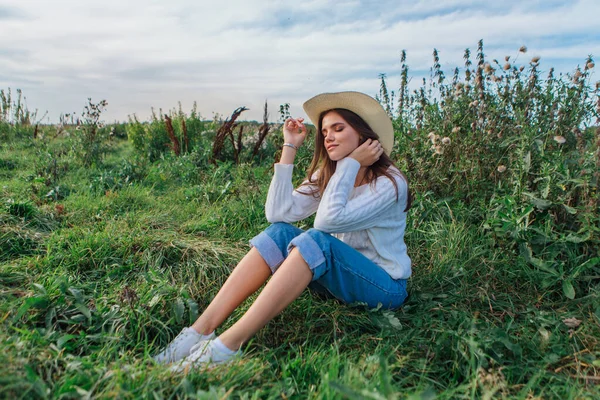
(284, 204)
(337, 214)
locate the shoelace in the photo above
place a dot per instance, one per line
(198, 351)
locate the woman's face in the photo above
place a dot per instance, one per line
(339, 138)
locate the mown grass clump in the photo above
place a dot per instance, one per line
(104, 259)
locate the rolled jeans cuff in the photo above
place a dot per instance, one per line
(268, 250)
(311, 253)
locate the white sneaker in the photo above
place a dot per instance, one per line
(204, 353)
(180, 347)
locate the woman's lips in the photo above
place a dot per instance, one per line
(331, 146)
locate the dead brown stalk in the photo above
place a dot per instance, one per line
(263, 131)
(174, 141)
(226, 130)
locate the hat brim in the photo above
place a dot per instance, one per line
(361, 104)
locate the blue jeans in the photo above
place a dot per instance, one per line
(340, 269)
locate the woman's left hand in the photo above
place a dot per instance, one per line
(367, 153)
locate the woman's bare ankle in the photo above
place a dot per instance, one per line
(203, 328)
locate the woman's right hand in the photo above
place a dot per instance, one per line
(294, 131)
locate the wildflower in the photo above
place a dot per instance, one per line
(559, 139)
(590, 65)
(446, 140)
(535, 59)
(459, 85)
(488, 68)
(456, 129)
(523, 49)
(473, 103)
(78, 127)
(578, 74)
(501, 168)
(506, 66)
(439, 149)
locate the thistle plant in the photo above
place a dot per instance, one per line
(519, 143)
(89, 145)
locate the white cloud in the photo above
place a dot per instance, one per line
(139, 54)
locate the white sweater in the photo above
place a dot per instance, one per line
(367, 218)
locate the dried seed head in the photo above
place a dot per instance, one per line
(433, 138)
(559, 139)
(488, 68)
(439, 149)
(459, 86)
(506, 66)
(501, 168)
(456, 129)
(590, 65)
(473, 103)
(446, 140)
(578, 74)
(467, 86)
(521, 68)
(523, 49)
(506, 58)
(535, 59)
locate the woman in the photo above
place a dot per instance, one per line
(355, 252)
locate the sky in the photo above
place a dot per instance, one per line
(138, 54)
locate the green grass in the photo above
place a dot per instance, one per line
(94, 283)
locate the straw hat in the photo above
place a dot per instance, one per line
(362, 105)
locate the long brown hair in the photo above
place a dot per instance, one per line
(326, 166)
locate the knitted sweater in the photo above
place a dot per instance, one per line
(366, 218)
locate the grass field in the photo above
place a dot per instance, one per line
(111, 243)
(93, 284)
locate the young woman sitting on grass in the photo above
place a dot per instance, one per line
(356, 250)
